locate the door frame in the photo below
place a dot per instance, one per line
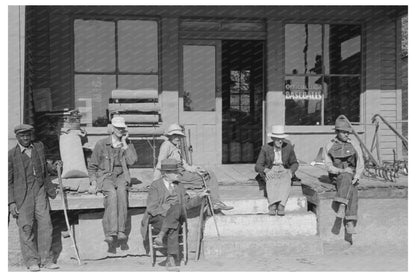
(218, 89)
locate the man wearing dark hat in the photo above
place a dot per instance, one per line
(109, 173)
(29, 188)
(167, 203)
(344, 162)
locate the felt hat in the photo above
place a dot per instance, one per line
(23, 128)
(278, 131)
(342, 124)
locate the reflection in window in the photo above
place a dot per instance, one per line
(331, 70)
(199, 78)
(137, 44)
(342, 44)
(303, 100)
(303, 46)
(96, 57)
(91, 97)
(94, 46)
(343, 97)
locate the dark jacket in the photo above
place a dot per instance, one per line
(17, 176)
(157, 204)
(102, 162)
(266, 157)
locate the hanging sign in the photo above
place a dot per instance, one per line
(303, 92)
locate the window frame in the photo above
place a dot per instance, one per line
(116, 73)
(361, 75)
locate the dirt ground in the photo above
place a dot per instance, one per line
(337, 256)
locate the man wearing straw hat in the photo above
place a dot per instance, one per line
(344, 162)
(29, 188)
(167, 203)
(190, 175)
(276, 165)
(109, 173)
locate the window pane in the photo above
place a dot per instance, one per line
(303, 100)
(138, 82)
(199, 78)
(91, 97)
(94, 46)
(137, 46)
(343, 97)
(342, 49)
(303, 49)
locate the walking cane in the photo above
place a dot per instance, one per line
(210, 206)
(61, 189)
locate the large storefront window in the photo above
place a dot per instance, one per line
(322, 73)
(110, 54)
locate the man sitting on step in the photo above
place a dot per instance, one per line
(276, 164)
(344, 162)
(167, 203)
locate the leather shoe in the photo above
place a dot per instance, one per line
(221, 206)
(171, 264)
(121, 236)
(349, 228)
(272, 209)
(109, 239)
(280, 210)
(50, 266)
(34, 267)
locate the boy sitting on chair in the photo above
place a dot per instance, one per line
(167, 203)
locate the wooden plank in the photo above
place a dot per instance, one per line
(141, 118)
(137, 107)
(134, 94)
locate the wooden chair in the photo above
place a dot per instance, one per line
(183, 243)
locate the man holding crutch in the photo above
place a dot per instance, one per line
(344, 162)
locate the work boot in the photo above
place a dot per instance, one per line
(341, 211)
(159, 239)
(34, 267)
(350, 228)
(221, 206)
(121, 236)
(272, 209)
(171, 264)
(280, 210)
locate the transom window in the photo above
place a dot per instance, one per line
(110, 54)
(322, 73)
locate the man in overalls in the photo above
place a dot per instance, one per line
(344, 162)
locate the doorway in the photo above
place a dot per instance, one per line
(242, 100)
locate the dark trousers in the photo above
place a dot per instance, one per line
(170, 224)
(192, 180)
(115, 205)
(347, 194)
(35, 227)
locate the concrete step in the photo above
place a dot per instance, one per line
(252, 226)
(237, 247)
(260, 205)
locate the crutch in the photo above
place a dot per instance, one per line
(211, 207)
(61, 189)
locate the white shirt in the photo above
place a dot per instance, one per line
(277, 156)
(27, 150)
(169, 186)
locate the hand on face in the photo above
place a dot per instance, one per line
(277, 142)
